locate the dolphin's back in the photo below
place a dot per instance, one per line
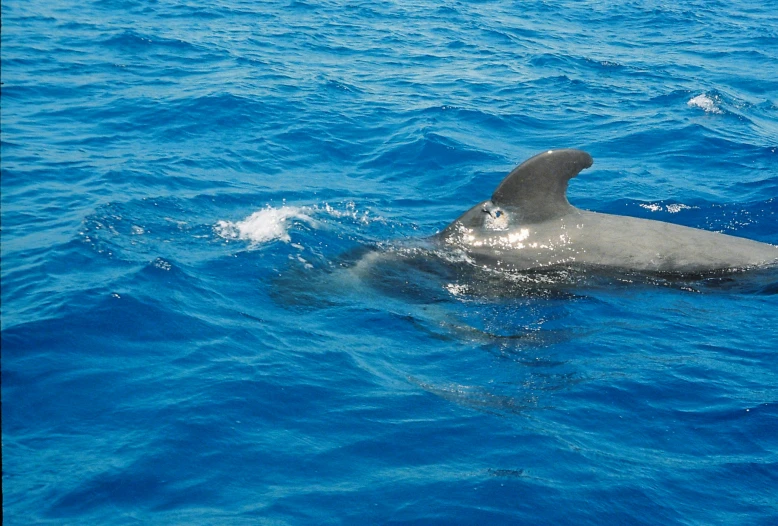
(657, 246)
(528, 223)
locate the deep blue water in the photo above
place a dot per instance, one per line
(183, 185)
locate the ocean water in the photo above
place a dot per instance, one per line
(186, 187)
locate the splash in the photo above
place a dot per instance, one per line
(274, 224)
(268, 224)
(704, 102)
(350, 212)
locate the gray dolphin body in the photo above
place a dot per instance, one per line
(529, 224)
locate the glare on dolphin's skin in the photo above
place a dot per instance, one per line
(528, 223)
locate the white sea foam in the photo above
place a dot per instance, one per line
(268, 224)
(672, 208)
(706, 103)
(274, 224)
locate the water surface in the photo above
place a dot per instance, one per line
(186, 186)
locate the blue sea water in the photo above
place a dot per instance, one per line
(183, 341)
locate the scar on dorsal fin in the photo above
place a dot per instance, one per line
(537, 188)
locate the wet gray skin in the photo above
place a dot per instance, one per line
(529, 224)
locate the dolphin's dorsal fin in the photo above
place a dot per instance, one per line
(537, 187)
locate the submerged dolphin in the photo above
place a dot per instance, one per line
(529, 224)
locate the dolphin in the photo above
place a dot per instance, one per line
(529, 224)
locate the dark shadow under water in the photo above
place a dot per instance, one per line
(521, 319)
